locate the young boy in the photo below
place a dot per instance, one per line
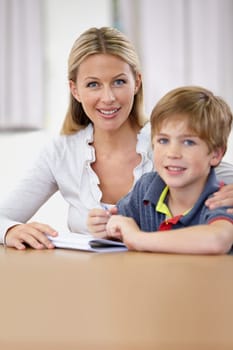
(165, 211)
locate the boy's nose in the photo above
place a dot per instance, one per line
(174, 151)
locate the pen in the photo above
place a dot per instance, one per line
(105, 207)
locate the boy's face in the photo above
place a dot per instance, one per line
(181, 158)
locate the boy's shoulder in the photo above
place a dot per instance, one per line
(150, 180)
(149, 177)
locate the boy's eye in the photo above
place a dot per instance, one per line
(162, 140)
(189, 142)
(119, 82)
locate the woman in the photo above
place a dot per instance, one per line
(104, 146)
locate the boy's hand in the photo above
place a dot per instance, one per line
(125, 229)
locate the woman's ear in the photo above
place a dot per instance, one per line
(217, 156)
(138, 82)
(73, 90)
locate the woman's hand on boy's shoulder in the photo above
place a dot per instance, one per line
(222, 198)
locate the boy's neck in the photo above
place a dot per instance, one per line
(181, 200)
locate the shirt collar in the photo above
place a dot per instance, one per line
(162, 206)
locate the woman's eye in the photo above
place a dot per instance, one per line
(92, 84)
(119, 82)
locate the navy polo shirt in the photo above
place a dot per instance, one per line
(140, 204)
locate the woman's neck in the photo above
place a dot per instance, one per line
(123, 138)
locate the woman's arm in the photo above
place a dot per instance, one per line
(224, 172)
(224, 197)
(37, 186)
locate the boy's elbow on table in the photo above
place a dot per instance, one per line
(222, 238)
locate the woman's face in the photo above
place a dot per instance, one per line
(105, 86)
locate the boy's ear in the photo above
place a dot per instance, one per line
(73, 90)
(217, 156)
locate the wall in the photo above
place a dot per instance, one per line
(63, 21)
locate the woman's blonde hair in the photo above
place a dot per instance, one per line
(208, 116)
(105, 40)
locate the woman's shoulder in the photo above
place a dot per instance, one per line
(144, 143)
(83, 135)
(58, 145)
(80, 137)
(144, 139)
(224, 172)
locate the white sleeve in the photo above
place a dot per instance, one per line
(224, 172)
(30, 194)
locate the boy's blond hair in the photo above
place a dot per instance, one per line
(208, 116)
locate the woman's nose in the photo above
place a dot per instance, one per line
(108, 95)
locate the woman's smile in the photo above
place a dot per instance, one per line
(108, 113)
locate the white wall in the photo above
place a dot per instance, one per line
(64, 20)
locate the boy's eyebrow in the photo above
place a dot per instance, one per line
(182, 135)
(157, 133)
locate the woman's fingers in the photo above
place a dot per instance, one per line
(33, 234)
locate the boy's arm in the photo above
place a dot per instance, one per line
(213, 238)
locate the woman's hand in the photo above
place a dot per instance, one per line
(224, 197)
(97, 221)
(32, 234)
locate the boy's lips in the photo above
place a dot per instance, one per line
(175, 168)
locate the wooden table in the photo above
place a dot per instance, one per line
(71, 300)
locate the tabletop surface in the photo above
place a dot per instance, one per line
(66, 299)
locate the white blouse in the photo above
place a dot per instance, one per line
(65, 165)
